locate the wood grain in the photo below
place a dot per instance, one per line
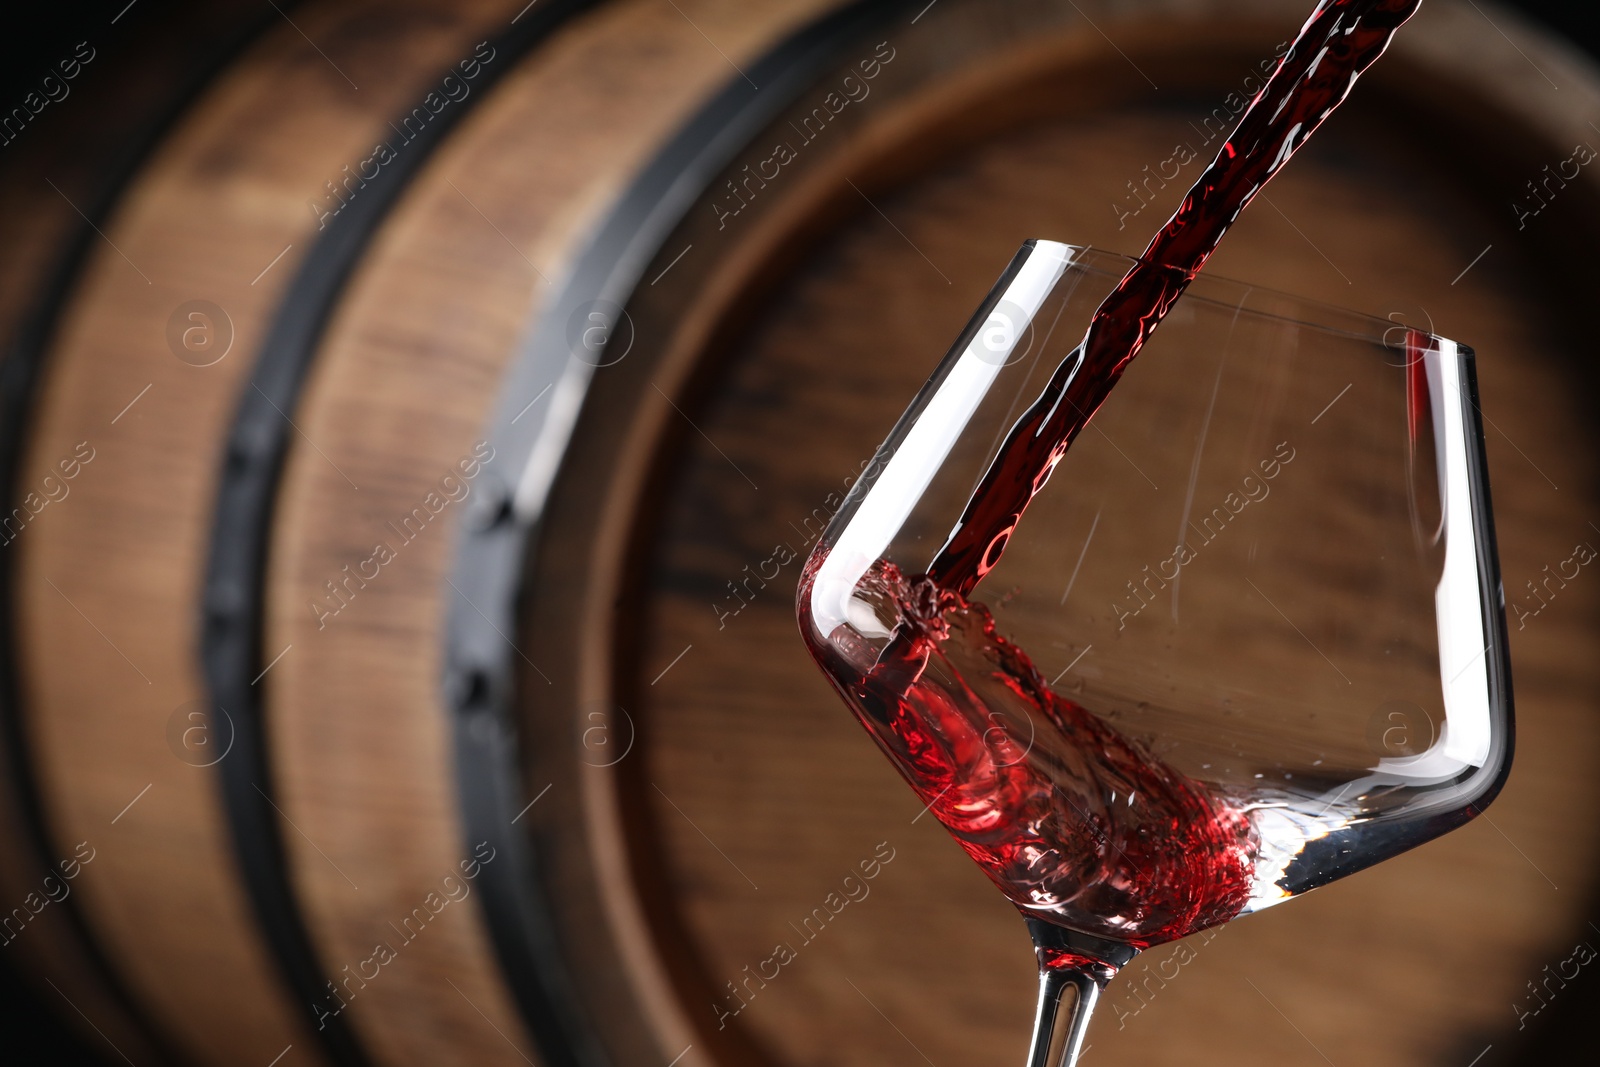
(768, 365)
(401, 393)
(760, 793)
(70, 157)
(109, 577)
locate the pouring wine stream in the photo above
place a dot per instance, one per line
(1204, 865)
(1337, 43)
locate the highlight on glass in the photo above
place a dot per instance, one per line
(1248, 640)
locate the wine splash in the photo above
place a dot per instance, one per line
(1085, 828)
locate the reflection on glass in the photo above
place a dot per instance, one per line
(1248, 641)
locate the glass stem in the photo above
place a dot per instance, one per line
(1073, 969)
(1066, 1001)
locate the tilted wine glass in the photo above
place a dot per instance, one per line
(1248, 641)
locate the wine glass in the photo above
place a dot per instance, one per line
(1249, 640)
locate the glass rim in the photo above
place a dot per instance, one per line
(1359, 325)
(1468, 761)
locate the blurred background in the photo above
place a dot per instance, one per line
(594, 675)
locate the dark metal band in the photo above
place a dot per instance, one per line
(492, 553)
(234, 593)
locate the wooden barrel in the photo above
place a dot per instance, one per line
(416, 468)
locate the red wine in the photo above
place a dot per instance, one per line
(1078, 824)
(1338, 42)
